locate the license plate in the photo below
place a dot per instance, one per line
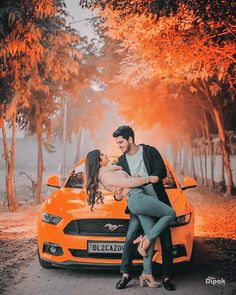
(105, 247)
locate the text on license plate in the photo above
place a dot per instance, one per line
(103, 247)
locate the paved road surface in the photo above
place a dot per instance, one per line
(38, 281)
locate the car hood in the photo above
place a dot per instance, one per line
(69, 201)
(179, 201)
(74, 202)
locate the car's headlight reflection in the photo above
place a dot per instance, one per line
(182, 220)
(49, 218)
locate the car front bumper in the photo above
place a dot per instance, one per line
(182, 240)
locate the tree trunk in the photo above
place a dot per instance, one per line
(10, 164)
(78, 146)
(180, 155)
(205, 164)
(6, 156)
(200, 163)
(175, 156)
(204, 154)
(181, 161)
(222, 178)
(192, 159)
(225, 151)
(210, 149)
(185, 160)
(40, 156)
(217, 116)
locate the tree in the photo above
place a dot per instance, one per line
(184, 42)
(37, 52)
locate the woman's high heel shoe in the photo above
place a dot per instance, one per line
(143, 246)
(148, 280)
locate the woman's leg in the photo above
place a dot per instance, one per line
(141, 204)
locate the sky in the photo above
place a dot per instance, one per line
(79, 15)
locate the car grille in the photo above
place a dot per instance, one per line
(98, 227)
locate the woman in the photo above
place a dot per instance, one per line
(100, 175)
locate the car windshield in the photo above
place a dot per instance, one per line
(169, 181)
(77, 178)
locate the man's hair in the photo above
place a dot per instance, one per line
(124, 131)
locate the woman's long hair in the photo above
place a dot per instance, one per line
(92, 165)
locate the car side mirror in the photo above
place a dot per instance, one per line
(189, 182)
(53, 181)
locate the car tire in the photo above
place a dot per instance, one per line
(43, 263)
(191, 261)
(187, 266)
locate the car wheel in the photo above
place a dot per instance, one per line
(43, 263)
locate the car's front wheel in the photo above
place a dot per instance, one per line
(44, 263)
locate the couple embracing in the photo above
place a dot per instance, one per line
(137, 176)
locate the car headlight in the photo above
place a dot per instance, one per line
(52, 219)
(182, 220)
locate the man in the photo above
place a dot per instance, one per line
(143, 160)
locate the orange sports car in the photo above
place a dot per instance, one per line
(69, 233)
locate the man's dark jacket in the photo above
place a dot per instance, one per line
(155, 166)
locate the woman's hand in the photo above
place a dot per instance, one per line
(153, 179)
(118, 195)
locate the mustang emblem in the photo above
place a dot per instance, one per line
(113, 227)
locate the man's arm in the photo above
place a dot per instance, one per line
(158, 165)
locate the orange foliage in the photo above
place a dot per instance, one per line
(172, 47)
(33, 54)
(45, 8)
(156, 103)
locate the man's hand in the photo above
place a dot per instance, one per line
(153, 179)
(137, 176)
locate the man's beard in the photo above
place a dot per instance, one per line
(127, 149)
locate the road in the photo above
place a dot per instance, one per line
(58, 281)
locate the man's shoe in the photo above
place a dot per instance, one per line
(167, 284)
(121, 284)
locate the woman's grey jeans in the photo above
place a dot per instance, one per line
(140, 203)
(145, 207)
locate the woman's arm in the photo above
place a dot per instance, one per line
(123, 180)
